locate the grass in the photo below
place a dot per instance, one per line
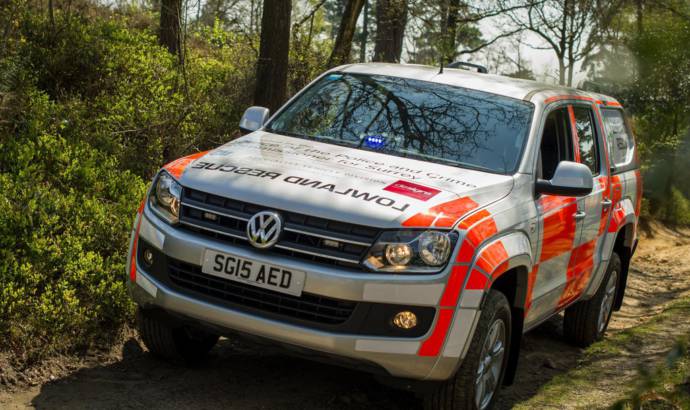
(627, 369)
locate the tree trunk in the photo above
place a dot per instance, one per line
(562, 42)
(365, 34)
(343, 42)
(449, 30)
(272, 66)
(561, 70)
(391, 18)
(169, 35)
(51, 14)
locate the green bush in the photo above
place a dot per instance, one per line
(90, 108)
(677, 210)
(128, 96)
(65, 213)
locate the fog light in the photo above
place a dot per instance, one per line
(405, 319)
(148, 257)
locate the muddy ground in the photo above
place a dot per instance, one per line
(240, 376)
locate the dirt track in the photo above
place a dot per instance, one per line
(241, 377)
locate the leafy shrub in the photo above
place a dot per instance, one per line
(65, 213)
(129, 97)
(89, 110)
(677, 209)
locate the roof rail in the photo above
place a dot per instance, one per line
(464, 65)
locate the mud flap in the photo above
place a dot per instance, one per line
(626, 257)
(516, 341)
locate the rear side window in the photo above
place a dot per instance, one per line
(584, 123)
(619, 138)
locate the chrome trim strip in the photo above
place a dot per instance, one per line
(213, 230)
(289, 248)
(334, 238)
(239, 218)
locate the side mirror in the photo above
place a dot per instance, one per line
(570, 179)
(253, 119)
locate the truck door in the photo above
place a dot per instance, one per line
(593, 209)
(559, 218)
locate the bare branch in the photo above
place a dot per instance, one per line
(488, 43)
(311, 14)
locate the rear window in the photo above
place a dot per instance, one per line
(584, 123)
(411, 118)
(619, 137)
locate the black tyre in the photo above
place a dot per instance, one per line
(475, 386)
(586, 322)
(171, 342)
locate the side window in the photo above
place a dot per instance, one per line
(556, 143)
(587, 139)
(618, 136)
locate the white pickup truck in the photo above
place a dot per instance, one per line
(405, 221)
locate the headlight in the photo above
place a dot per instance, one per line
(398, 254)
(411, 251)
(434, 248)
(165, 197)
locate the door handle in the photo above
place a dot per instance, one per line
(606, 203)
(580, 215)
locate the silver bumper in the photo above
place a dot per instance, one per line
(398, 356)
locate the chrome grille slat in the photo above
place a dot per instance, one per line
(318, 234)
(303, 237)
(222, 232)
(294, 248)
(216, 211)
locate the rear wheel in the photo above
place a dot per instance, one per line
(586, 322)
(476, 384)
(174, 342)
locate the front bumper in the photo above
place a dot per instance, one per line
(396, 355)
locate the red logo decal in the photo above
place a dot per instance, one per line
(416, 191)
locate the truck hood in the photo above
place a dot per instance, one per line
(339, 183)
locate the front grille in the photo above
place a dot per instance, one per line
(308, 307)
(304, 236)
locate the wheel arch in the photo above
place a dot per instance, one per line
(510, 276)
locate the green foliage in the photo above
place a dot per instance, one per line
(128, 96)
(649, 69)
(90, 108)
(307, 58)
(660, 101)
(65, 213)
(677, 209)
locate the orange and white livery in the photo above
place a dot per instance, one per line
(412, 221)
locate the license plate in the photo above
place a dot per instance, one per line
(253, 273)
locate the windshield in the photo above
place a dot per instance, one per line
(411, 118)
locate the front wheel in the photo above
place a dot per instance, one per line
(174, 343)
(586, 322)
(476, 384)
